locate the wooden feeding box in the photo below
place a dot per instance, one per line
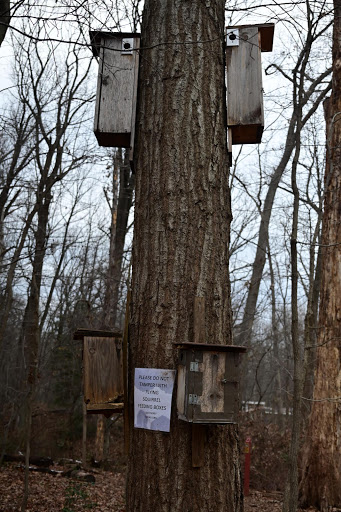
(103, 383)
(245, 114)
(208, 382)
(116, 87)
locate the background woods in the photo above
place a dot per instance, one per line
(66, 219)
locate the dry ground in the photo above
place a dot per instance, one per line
(262, 501)
(56, 493)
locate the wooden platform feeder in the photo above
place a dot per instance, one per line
(116, 87)
(103, 383)
(245, 114)
(208, 382)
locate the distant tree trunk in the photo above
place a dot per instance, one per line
(30, 329)
(112, 200)
(291, 492)
(120, 209)
(277, 392)
(109, 306)
(118, 231)
(180, 251)
(125, 201)
(321, 465)
(310, 327)
(6, 302)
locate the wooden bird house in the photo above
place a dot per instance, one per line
(116, 87)
(245, 114)
(208, 382)
(103, 382)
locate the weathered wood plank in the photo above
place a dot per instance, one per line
(181, 391)
(81, 333)
(212, 398)
(103, 370)
(116, 93)
(106, 406)
(244, 87)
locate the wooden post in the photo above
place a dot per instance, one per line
(84, 435)
(198, 431)
(247, 451)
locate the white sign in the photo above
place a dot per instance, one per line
(153, 389)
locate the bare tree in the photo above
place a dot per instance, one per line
(55, 100)
(321, 466)
(307, 94)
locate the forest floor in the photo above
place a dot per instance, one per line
(51, 493)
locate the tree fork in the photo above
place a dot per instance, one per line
(182, 227)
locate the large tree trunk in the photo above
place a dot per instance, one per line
(322, 463)
(180, 251)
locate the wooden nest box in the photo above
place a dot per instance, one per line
(103, 383)
(245, 113)
(208, 382)
(116, 87)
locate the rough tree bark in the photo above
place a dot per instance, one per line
(180, 250)
(322, 464)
